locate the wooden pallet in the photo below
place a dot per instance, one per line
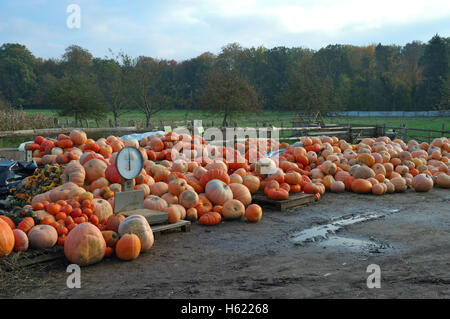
(291, 202)
(183, 225)
(33, 257)
(153, 217)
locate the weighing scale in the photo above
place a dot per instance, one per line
(129, 163)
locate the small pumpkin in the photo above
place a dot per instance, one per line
(128, 247)
(233, 209)
(253, 213)
(20, 240)
(111, 237)
(114, 221)
(138, 225)
(210, 218)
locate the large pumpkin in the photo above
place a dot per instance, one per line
(42, 236)
(85, 245)
(241, 193)
(74, 173)
(443, 180)
(360, 185)
(138, 225)
(114, 221)
(251, 182)
(78, 137)
(189, 199)
(6, 239)
(155, 203)
(218, 192)
(215, 173)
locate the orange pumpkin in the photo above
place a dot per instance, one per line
(6, 239)
(111, 237)
(360, 185)
(253, 213)
(233, 209)
(138, 225)
(128, 247)
(189, 199)
(211, 218)
(241, 193)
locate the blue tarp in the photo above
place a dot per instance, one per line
(140, 136)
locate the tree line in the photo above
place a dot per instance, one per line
(335, 78)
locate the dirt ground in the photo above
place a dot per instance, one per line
(409, 240)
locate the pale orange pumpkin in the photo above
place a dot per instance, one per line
(138, 225)
(42, 236)
(189, 199)
(241, 193)
(218, 192)
(155, 203)
(84, 245)
(252, 183)
(233, 209)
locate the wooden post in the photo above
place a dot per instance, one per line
(405, 132)
(443, 130)
(67, 123)
(56, 122)
(384, 129)
(87, 123)
(110, 123)
(350, 135)
(429, 135)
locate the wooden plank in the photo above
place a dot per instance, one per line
(153, 217)
(293, 201)
(183, 225)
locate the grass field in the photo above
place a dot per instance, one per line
(276, 118)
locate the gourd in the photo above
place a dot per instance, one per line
(84, 245)
(138, 225)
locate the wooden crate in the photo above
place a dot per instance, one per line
(294, 200)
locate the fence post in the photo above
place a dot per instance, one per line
(405, 132)
(350, 135)
(443, 130)
(429, 135)
(384, 129)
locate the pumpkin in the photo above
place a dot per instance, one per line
(174, 214)
(74, 172)
(155, 203)
(26, 224)
(20, 240)
(85, 245)
(362, 172)
(78, 137)
(212, 174)
(189, 199)
(99, 183)
(159, 188)
(293, 178)
(218, 192)
(113, 222)
(6, 238)
(399, 184)
(422, 183)
(204, 205)
(360, 185)
(63, 192)
(191, 214)
(42, 236)
(144, 187)
(241, 193)
(379, 189)
(252, 183)
(9, 221)
(236, 179)
(138, 225)
(253, 213)
(337, 187)
(198, 172)
(95, 168)
(111, 237)
(128, 247)
(443, 180)
(211, 218)
(177, 186)
(102, 208)
(112, 174)
(233, 209)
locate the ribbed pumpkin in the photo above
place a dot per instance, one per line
(78, 137)
(138, 225)
(112, 174)
(42, 236)
(210, 218)
(85, 245)
(111, 237)
(159, 188)
(212, 174)
(26, 224)
(204, 205)
(241, 193)
(9, 221)
(6, 239)
(337, 187)
(74, 172)
(114, 221)
(218, 192)
(252, 183)
(128, 247)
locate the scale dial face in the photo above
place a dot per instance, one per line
(129, 162)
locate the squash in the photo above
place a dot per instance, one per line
(337, 187)
(78, 137)
(443, 180)
(85, 245)
(6, 239)
(26, 224)
(95, 168)
(159, 188)
(252, 183)
(210, 218)
(204, 205)
(177, 186)
(128, 247)
(155, 203)
(114, 221)
(215, 173)
(138, 225)
(360, 185)
(42, 236)
(111, 237)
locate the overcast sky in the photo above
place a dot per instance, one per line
(184, 29)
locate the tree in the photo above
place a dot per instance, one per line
(17, 78)
(78, 95)
(150, 87)
(228, 94)
(111, 79)
(435, 63)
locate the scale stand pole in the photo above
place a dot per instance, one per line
(127, 185)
